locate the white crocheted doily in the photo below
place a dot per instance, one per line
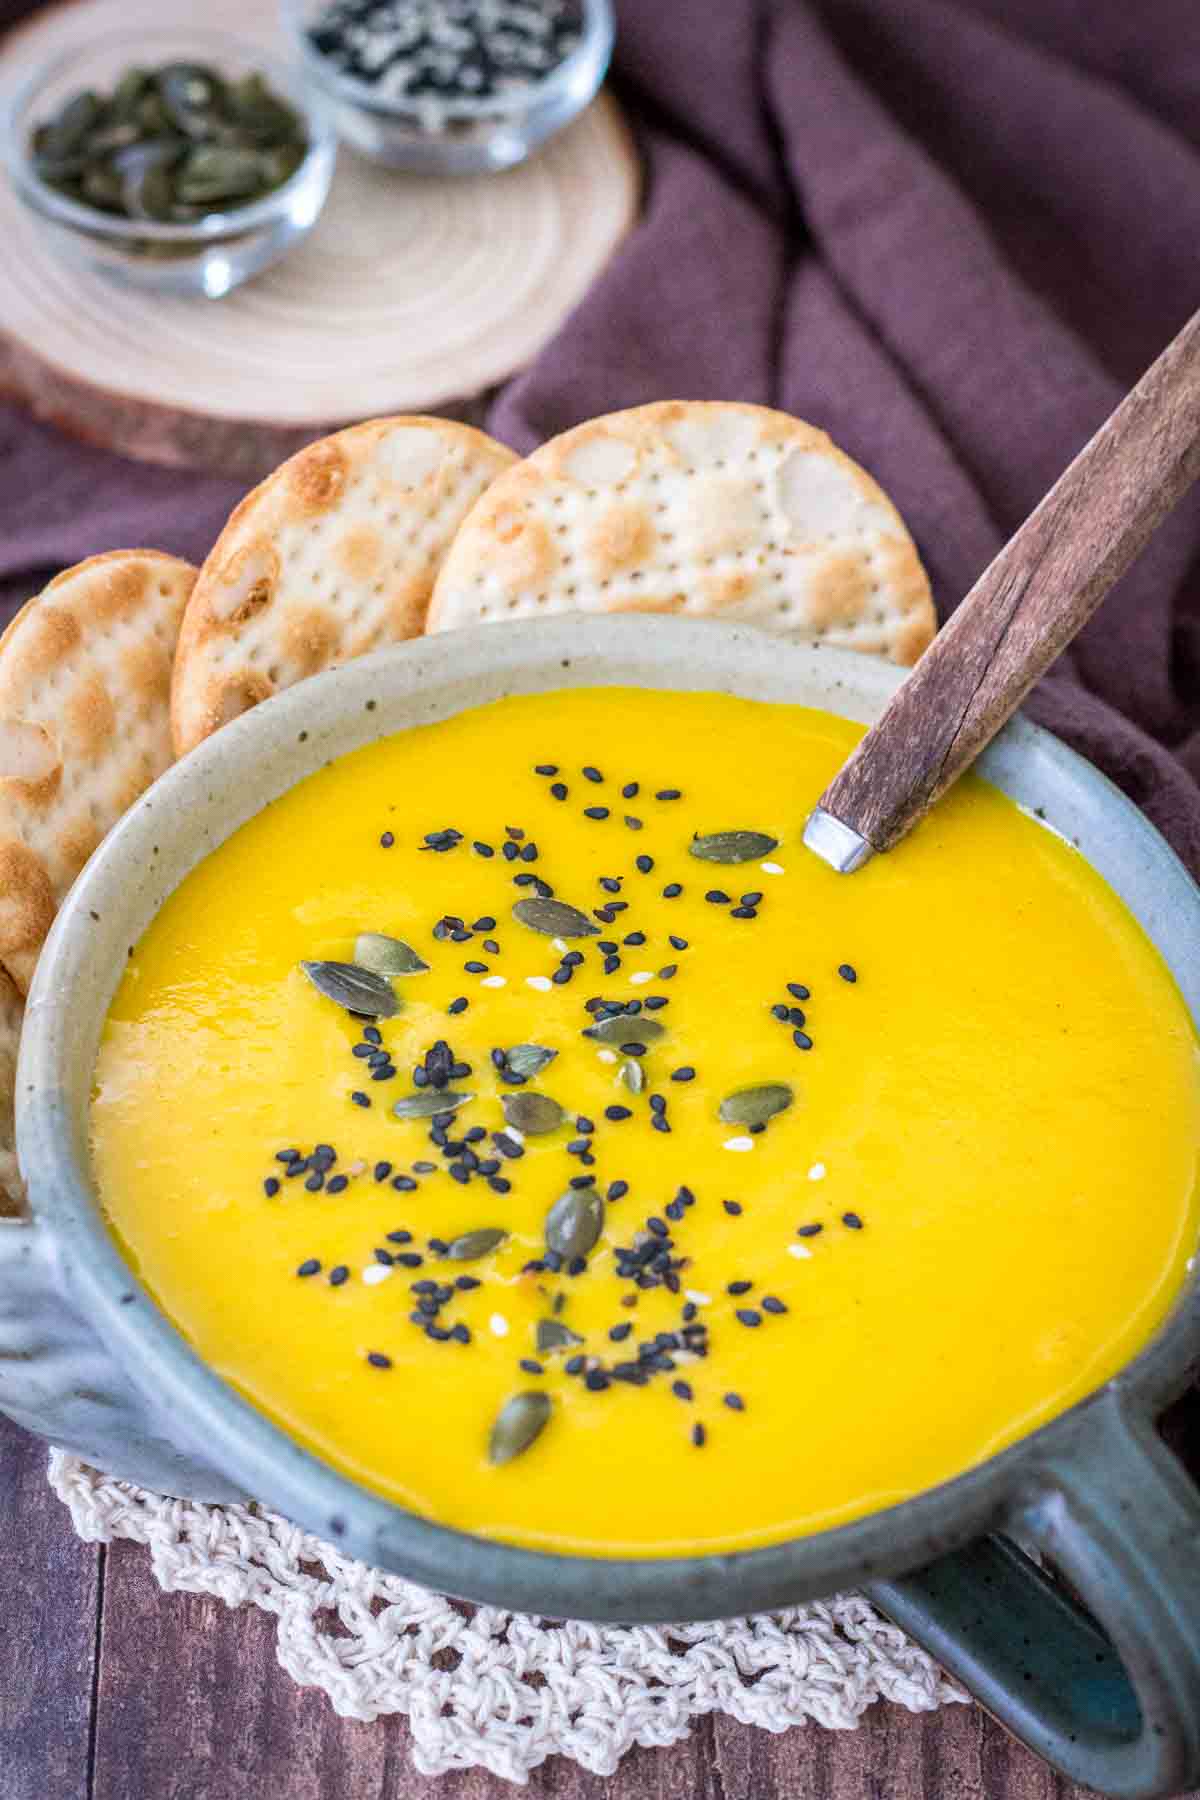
(496, 1689)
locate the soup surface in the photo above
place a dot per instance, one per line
(975, 1205)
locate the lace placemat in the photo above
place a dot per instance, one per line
(499, 1690)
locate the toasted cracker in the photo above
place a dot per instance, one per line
(333, 555)
(702, 508)
(85, 675)
(12, 1011)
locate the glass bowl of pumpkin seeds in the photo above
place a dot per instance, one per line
(183, 161)
(452, 87)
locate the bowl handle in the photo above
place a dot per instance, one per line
(1112, 1700)
(59, 1380)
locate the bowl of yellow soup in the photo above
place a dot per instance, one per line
(458, 1113)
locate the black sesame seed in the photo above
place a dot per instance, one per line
(530, 1367)
(616, 1113)
(733, 1208)
(618, 1333)
(337, 1183)
(659, 1122)
(482, 849)
(751, 899)
(591, 774)
(597, 1380)
(796, 1015)
(424, 1168)
(781, 1012)
(771, 1304)
(559, 790)
(409, 1259)
(475, 968)
(654, 1002)
(545, 768)
(595, 812)
(798, 989)
(698, 1435)
(617, 1190)
(339, 1275)
(734, 1402)
(632, 1049)
(310, 1266)
(739, 1287)
(458, 1006)
(384, 1072)
(658, 1103)
(387, 840)
(633, 824)
(399, 1237)
(382, 1170)
(271, 1187)
(668, 972)
(672, 890)
(809, 1230)
(802, 1040)
(852, 1220)
(682, 1390)
(499, 1184)
(686, 1073)
(582, 1181)
(746, 1315)
(315, 1182)
(288, 1156)
(509, 851)
(378, 1360)
(848, 972)
(717, 897)
(669, 794)
(743, 912)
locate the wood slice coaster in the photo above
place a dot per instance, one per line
(411, 294)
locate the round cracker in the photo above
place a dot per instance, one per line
(333, 555)
(704, 508)
(85, 677)
(12, 1011)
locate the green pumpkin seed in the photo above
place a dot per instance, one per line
(428, 1101)
(733, 846)
(127, 93)
(519, 1421)
(69, 129)
(152, 115)
(192, 97)
(474, 1244)
(358, 990)
(147, 191)
(387, 955)
(101, 186)
(625, 1028)
(755, 1105)
(533, 1114)
(552, 1334)
(574, 1222)
(211, 173)
(554, 918)
(529, 1059)
(632, 1073)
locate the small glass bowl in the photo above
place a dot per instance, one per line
(458, 137)
(209, 256)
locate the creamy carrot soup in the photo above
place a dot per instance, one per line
(520, 1117)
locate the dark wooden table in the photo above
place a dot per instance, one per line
(113, 1690)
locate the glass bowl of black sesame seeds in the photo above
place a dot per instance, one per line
(179, 160)
(453, 87)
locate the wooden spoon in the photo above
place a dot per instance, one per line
(1026, 607)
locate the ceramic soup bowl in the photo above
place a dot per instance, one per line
(87, 1359)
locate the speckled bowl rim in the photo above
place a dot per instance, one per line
(212, 791)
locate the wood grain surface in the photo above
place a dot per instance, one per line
(411, 294)
(112, 1690)
(1029, 602)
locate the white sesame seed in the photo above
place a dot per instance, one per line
(739, 1143)
(498, 1325)
(800, 1251)
(817, 1172)
(542, 983)
(609, 1056)
(641, 975)
(374, 1274)
(771, 868)
(494, 981)
(356, 1168)
(696, 1297)
(560, 944)
(518, 1137)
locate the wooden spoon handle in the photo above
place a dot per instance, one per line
(1044, 585)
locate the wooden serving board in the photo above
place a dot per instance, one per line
(411, 294)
